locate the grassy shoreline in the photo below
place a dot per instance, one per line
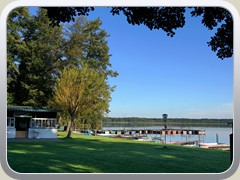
(93, 154)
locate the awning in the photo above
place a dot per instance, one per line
(30, 109)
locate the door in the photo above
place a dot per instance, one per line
(22, 126)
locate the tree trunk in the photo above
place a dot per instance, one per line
(69, 135)
(68, 125)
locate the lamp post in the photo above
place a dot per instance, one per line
(165, 125)
(231, 142)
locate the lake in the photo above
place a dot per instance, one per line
(211, 133)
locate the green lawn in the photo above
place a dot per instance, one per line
(93, 154)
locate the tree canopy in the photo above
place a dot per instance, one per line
(40, 56)
(86, 42)
(37, 52)
(83, 93)
(33, 49)
(15, 19)
(166, 18)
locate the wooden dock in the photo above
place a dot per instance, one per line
(151, 131)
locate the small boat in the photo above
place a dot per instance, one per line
(188, 143)
(215, 146)
(144, 138)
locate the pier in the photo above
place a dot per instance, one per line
(150, 131)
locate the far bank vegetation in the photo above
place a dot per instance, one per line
(184, 122)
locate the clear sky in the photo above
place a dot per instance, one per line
(179, 76)
(158, 74)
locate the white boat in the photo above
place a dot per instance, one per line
(145, 138)
(214, 145)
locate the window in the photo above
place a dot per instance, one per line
(10, 122)
(43, 122)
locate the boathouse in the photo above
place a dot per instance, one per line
(31, 122)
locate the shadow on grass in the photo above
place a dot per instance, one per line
(82, 154)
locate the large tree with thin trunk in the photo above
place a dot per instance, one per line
(86, 43)
(82, 92)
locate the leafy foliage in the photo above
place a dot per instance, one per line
(168, 19)
(14, 27)
(38, 53)
(86, 42)
(61, 14)
(165, 18)
(83, 93)
(222, 42)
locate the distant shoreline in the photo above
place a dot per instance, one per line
(135, 121)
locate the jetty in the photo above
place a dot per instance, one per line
(142, 135)
(150, 131)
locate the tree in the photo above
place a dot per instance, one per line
(165, 18)
(222, 41)
(38, 48)
(39, 52)
(14, 27)
(81, 92)
(86, 42)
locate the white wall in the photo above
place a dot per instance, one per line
(43, 132)
(11, 132)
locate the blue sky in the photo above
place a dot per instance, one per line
(158, 74)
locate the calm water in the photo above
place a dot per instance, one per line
(211, 136)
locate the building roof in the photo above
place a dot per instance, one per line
(30, 109)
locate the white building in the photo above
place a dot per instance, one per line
(31, 122)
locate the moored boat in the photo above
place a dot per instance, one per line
(214, 145)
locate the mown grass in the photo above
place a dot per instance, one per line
(90, 154)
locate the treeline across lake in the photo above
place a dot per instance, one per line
(184, 122)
